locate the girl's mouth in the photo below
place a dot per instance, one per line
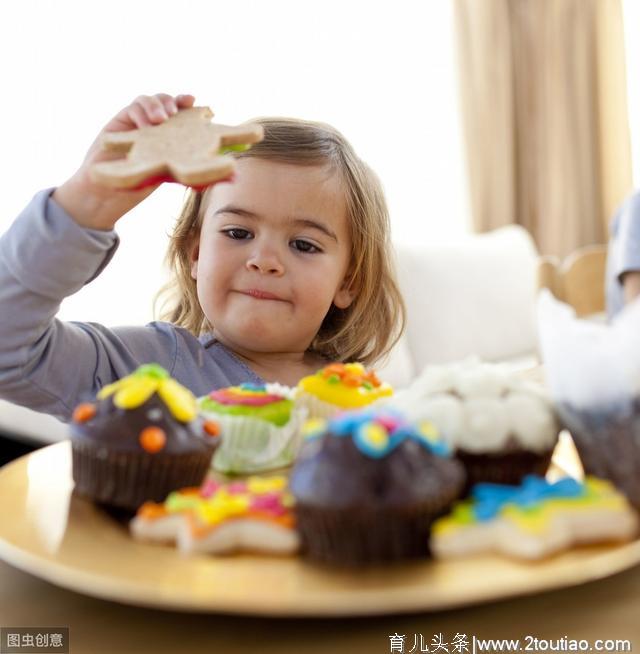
(261, 295)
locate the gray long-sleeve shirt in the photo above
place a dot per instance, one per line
(49, 365)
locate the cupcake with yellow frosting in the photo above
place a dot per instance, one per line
(340, 387)
(261, 426)
(141, 439)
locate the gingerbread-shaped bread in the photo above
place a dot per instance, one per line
(187, 148)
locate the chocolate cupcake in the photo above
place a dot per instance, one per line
(608, 441)
(140, 440)
(368, 485)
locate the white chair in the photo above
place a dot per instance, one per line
(472, 297)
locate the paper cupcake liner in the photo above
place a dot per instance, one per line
(249, 445)
(609, 446)
(128, 479)
(317, 408)
(355, 537)
(365, 535)
(505, 468)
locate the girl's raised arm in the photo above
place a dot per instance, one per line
(59, 243)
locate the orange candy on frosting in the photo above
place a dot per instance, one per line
(353, 375)
(84, 412)
(153, 439)
(211, 428)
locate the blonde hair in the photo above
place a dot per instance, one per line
(373, 323)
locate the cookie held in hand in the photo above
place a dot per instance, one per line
(187, 148)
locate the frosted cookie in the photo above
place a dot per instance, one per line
(252, 515)
(187, 148)
(261, 427)
(500, 426)
(535, 519)
(338, 387)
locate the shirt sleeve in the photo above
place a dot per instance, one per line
(46, 364)
(623, 254)
(625, 244)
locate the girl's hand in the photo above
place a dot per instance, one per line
(95, 206)
(631, 286)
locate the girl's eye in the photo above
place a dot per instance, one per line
(305, 246)
(236, 233)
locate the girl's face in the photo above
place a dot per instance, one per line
(273, 255)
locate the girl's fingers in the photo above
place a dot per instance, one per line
(163, 101)
(153, 108)
(138, 116)
(121, 122)
(169, 104)
(147, 110)
(185, 101)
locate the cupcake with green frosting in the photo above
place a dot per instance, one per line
(261, 427)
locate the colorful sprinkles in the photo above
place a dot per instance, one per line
(245, 394)
(214, 502)
(350, 374)
(532, 505)
(376, 433)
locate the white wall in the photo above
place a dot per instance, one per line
(381, 72)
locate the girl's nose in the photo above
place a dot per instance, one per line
(265, 262)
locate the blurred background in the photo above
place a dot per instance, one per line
(475, 114)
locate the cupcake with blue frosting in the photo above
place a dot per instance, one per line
(368, 484)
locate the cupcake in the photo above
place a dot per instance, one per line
(535, 519)
(338, 387)
(261, 427)
(253, 515)
(501, 427)
(593, 372)
(140, 440)
(367, 486)
(608, 442)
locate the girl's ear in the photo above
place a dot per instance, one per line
(193, 258)
(346, 294)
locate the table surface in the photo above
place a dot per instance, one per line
(609, 608)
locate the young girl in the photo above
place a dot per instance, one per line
(277, 273)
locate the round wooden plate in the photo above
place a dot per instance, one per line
(50, 533)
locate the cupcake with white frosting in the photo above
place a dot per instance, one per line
(500, 426)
